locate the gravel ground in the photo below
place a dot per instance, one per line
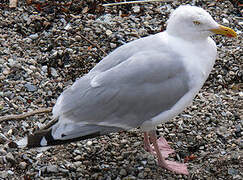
(45, 47)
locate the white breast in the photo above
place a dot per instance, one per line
(198, 60)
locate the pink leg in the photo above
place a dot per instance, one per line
(147, 146)
(178, 168)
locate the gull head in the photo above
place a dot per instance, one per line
(191, 22)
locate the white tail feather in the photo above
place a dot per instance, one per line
(22, 142)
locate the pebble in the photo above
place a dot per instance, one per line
(78, 157)
(223, 152)
(30, 87)
(34, 36)
(225, 21)
(232, 171)
(3, 174)
(51, 169)
(11, 62)
(54, 72)
(124, 141)
(10, 158)
(89, 143)
(113, 45)
(123, 172)
(141, 175)
(238, 128)
(77, 163)
(2, 152)
(23, 165)
(68, 27)
(138, 143)
(108, 32)
(136, 9)
(6, 71)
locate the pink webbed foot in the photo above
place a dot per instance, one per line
(164, 148)
(176, 167)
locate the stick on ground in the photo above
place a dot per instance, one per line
(95, 45)
(25, 115)
(135, 2)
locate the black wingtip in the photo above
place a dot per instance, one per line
(44, 138)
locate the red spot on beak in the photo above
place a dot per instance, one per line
(229, 35)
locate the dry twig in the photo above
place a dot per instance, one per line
(135, 2)
(95, 45)
(22, 116)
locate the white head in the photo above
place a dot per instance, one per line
(191, 22)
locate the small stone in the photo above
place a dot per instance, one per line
(76, 151)
(44, 69)
(27, 40)
(30, 87)
(34, 36)
(11, 62)
(223, 152)
(23, 165)
(141, 175)
(201, 147)
(52, 169)
(151, 162)
(10, 158)
(77, 163)
(112, 45)
(147, 170)
(33, 68)
(138, 143)
(3, 152)
(124, 141)
(2, 141)
(179, 143)
(225, 21)
(238, 128)
(95, 176)
(3, 174)
(78, 157)
(78, 38)
(63, 170)
(6, 71)
(232, 171)
(136, 9)
(151, 157)
(237, 177)
(54, 72)
(129, 178)
(108, 32)
(144, 162)
(89, 143)
(123, 172)
(68, 27)
(10, 172)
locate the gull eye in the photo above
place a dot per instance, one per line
(196, 22)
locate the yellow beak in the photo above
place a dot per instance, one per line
(224, 31)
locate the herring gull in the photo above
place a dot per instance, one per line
(143, 83)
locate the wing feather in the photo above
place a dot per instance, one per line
(128, 94)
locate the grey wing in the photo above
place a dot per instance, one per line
(126, 95)
(128, 50)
